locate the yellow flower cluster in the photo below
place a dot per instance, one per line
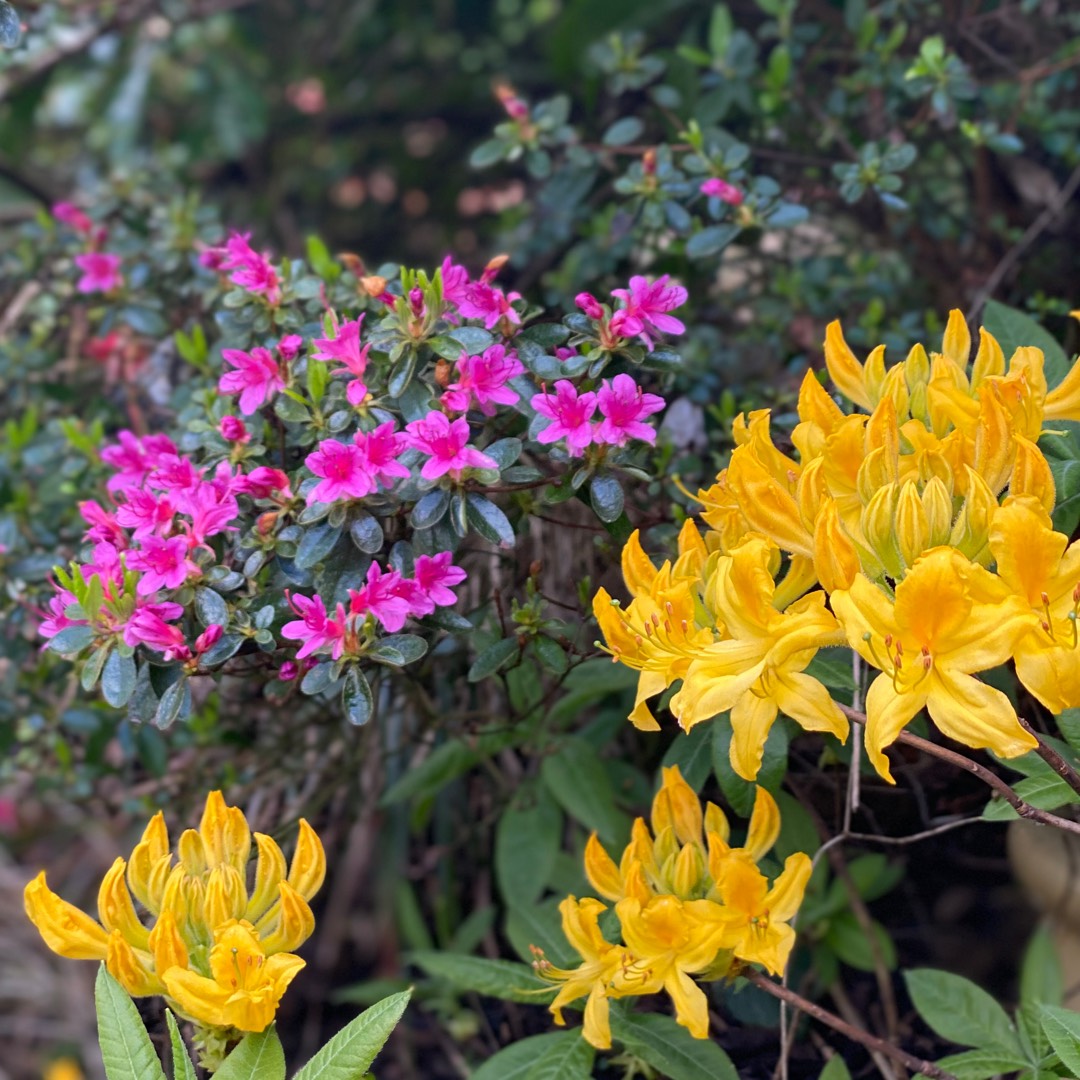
(690, 906)
(918, 532)
(220, 954)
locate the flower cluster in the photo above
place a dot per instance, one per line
(247, 269)
(387, 596)
(691, 908)
(100, 269)
(925, 524)
(644, 312)
(220, 950)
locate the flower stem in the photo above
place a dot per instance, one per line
(1024, 809)
(871, 1042)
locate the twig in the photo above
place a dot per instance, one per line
(1024, 809)
(1053, 758)
(1031, 234)
(871, 1042)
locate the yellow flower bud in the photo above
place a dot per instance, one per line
(166, 945)
(877, 523)
(995, 450)
(911, 524)
(956, 342)
(687, 872)
(917, 375)
(308, 867)
(269, 872)
(115, 909)
(225, 833)
(716, 822)
(895, 389)
(1031, 474)
(875, 472)
(144, 877)
(989, 360)
(678, 807)
(291, 925)
(811, 491)
(971, 530)
(874, 374)
(226, 897)
(601, 870)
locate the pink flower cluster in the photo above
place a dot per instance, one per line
(100, 270)
(388, 596)
(246, 267)
(622, 404)
(345, 348)
(482, 379)
(479, 299)
(259, 375)
(446, 443)
(355, 469)
(644, 313)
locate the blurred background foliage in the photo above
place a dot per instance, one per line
(894, 159)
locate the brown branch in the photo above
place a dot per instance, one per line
(871, 1042)
(1053, 758)
(1024, 809)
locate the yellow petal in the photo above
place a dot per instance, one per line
(269, 872)
(683, 808)
(639, 573)
(225, 833)
(115, 908)
(845, 371)
(597, 1027)
(294, 923)
(225, 897)
(308, 867)
(198, 998)
(989, 360)
(1031, 475)
(147, 854)
(64, 928)
(764, 825)
(166, 945)
(887, 713)
(836, 562)
(1051, 672)
(956, 343)
(128, 970)
(768, 505)
(691, 1005)
(786, 895)
(752, 719)
(977, 715)
(601, 870)
(809, 703)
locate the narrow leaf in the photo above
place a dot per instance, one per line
(126, 1049)
(259, 1056)
(348, 1054)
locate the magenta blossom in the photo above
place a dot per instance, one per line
(386, 596)
(262, 482)
(623, 405)
(455, 282)
(213, 508)
(233, 429)
(380, 450)
(650, 304)
(148, 514)
(208, 638)
(288, 348)
(68, 214)
(103, 525)
(288, 671)
(250, 270)
(483, 379)
(314, 627)
(345, 347)
(564, 353)
(257, 377)
(434, 575)
(716, 188)
(134, 458)
(589, 305)
(101, 272)
(483, 301)
(164, 564)
(446, 443)
(341, 466)
(571, 415)
(56, 619)
(147, 627)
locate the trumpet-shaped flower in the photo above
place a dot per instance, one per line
(219, 951)
(950, 619)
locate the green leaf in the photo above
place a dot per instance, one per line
(1014, 329)
(493, 658)
(442, 765)
(366, 533)
(711, 241)
(318, 541)
(577, 778)
(405, 649)
(317, 378)
(71, 640)
(980, 1064)
(662, 1043)
(692, 752)
(211, 608)
(349, 1054)
(175, 703)
(836, 1069)
(431, 509)
(91, 671)
(1062, 1028)
(356, 697)
(126, 1049)
(182, 1067)
(739, 792)
(606, 496)
(958, 1010)
(846, 938)
(258, 1056)
(514, 1062)
(487, 153)
(1041, 977)
(527, 843)
(623, 131)
(489, 521)
(564, 1061)
(118, 679)
(539, 925)
(496, 978)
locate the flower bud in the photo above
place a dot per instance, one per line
(288, 671)
(877, 527)
(687, 871)
(912, 528)
(1031, 474)
(416, 301)
(716, 188)
(590, 305)
(938, 506)
(971, 530)
(648, 162)
(208, 639)
(233, 429)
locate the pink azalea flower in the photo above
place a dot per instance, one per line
(434, 575)
(147, 627)
(650, 304)
(483, 301)
(257, 377)
(105, 564)
(179, 476)
(148, 514)
(341, 466)
(384, 597)
(261, 483)
(134, 458)
(213, 508)
(624, 405)
(563, 353)
(289, 347)
(314, 627)
(164, 564)
(589, 305)
(380, 450)
(356, 392)
(445, 442)
(250, 270)
(455, 282)
(344, 348)
(57, 620)
(101, 272)
(716, 188)
(288, 671)
(571, 415)
(483, 379)
(208, 638)
(68, 214)
(103, 525)
(233, 429)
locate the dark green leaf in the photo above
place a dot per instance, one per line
(72, 640)
(960, 1011)
(496, 978)
(91, 671)
(211, 608)
(711, 241)
(431, 509)
(493, 658)
(527, 841)
(259, 1056)
(318, 541)
(577, 778)
(366, 533)
(126, 1049)
(623, 131)
(489, 521)
(564, 1061)
(118, 679)
(606, 496)
(175, 704)
(349, 1054)
(516, 1060)
(662, 1043)
(356, 697)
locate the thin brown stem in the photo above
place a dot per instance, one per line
(1053, 758)
(864, 1038)
(1024, 809)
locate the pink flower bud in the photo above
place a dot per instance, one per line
(722, 190)
(590, 305)
(288, 671)
(208, 639)
(233, 429)
(416, 301)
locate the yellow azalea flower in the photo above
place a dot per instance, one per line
(595, 977)
(63, 1069)
(1043, 569)
(757, 916)
(244, 986)
(195, 905)
(950, 619)
(758, 668)
(667, 941)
